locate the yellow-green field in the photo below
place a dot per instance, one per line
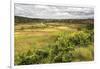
(30, 37)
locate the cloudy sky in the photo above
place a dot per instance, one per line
(53, 12)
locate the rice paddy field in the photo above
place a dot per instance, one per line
(58, 42)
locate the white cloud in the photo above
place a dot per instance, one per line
(41, 6)
(53, 12)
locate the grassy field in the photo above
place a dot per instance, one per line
(37, 43)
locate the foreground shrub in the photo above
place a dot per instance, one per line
(60, 49)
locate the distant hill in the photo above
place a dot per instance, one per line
(19, 19)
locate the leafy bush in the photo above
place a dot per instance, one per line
(81, 38)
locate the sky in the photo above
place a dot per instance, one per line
(53, 11)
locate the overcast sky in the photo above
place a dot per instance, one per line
(53, 12)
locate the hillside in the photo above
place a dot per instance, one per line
(19, 19)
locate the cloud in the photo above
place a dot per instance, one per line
(53, 12)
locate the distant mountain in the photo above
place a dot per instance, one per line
(19, 19)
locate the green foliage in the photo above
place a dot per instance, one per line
(81, 38)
